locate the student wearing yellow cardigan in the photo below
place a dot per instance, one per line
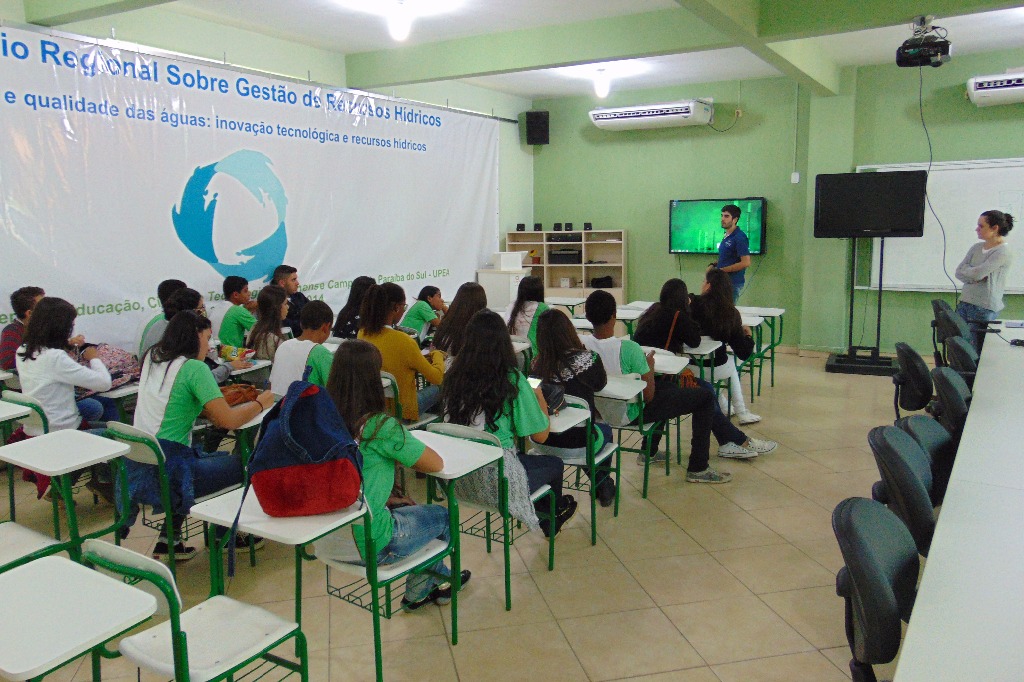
(382, 308)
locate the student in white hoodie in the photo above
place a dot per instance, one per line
(50, 374)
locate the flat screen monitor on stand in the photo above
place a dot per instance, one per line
(868, 205)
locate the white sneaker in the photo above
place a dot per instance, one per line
(761, 447)
(749, 418)
(733, 451)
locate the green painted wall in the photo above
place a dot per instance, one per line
(888, 130)
(624, 180)
(13, 11)
(515, 159)
(167, 29)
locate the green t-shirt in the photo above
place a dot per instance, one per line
(235, 325)
(633, 360)
(392, 443)
(320, 360)
(194, 386)
(532, 334)
(418, 316)
(523, 417)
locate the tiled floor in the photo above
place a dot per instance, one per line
(734, 583)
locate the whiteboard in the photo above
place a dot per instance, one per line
(959, 192)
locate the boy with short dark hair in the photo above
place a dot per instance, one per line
(22, 302)
(238, 320)
(295, 357)
(154, 329)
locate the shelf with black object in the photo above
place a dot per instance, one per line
(569, 258)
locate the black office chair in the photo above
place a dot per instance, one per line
(954, 398)
(939, 335)
(963, 358)
(936, 441)
(912, 381)
(906, 471)
(878, 582)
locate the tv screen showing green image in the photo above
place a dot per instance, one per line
(695, 225)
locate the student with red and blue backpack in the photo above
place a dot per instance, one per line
(354, 385)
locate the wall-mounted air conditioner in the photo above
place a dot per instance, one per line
(987, 91)
(666, 115)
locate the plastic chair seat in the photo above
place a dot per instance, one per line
(388, 572)
(222, 633)
(425, 418)
(17, 541)
(607, 451)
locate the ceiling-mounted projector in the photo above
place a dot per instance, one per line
(927, 47)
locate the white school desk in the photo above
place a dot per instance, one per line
(705, 350)
(119, 395)
(667, 363)
(9, 412)
(621, 388)
(566, 302)
(567, 418)
(297, 531)
(57, 454)
(55, 610)
(969, 614)
(256, 364)
(773, 317)
(638, 305)
(520, 347)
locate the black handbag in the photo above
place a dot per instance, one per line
(554, 396)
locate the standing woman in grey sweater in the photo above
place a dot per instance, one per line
(983, 272)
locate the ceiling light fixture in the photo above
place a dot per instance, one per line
(400, 21)
(400, 14)
(602, 83)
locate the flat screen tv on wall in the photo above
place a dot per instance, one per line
(877, 204)
(695, 225)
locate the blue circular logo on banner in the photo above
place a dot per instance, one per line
(193, 218)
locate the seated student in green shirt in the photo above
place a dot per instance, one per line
(355, 387)
(521, 315)
(305, 357)
(176, 387)
(423, 315)
(239, 319)
(485, 389)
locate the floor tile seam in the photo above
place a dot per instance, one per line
(561, 631)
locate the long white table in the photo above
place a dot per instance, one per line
(968, 619)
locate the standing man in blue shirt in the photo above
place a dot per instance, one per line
(734, 250)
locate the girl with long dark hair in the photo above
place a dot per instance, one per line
(347, 324)
(469, 300)
(425, 314)
(563, 359)
(718, 317)
(268, 332)
(176, 387)
(354, 386)
(668, 324)
(485, 389)
(521, 314)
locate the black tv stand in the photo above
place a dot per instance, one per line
(863, 359)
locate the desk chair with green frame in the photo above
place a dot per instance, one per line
(591, 462)
(364, 590)
(145, 449)
(481, 524)
(211, 641)
(616, 413)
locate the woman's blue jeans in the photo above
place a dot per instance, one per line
(976, 316)
(98, 409)
(414, 527)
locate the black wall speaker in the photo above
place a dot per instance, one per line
(536, 127)
(587, 227)
(536, 227)
(520, 227)
(558, 227)
(568, 227)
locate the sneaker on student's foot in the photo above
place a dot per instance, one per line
(709, 475)
(657, 458)
(734, 451)
(182, 552)
(761, 447)
(606, 492)
(566, 509)
(748, 417)
(440, 595)
(242, 542)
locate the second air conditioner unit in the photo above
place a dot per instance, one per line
(987, 91)
(665, 115)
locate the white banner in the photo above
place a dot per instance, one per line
(119, 170)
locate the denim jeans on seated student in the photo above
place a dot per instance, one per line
(211, 471)
(427, 397)
(414, 527)
(98, 409)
